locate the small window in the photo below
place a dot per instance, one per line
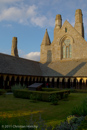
(65, 29)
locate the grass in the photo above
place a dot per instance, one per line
(52, 114)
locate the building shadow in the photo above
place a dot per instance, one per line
(46, 71)
(76, 69)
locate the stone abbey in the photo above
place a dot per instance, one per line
(68, 42)
(63, 63)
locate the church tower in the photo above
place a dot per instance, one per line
(79, 22)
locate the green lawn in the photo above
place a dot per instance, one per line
(13, 107)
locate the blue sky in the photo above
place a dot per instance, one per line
(28, 19)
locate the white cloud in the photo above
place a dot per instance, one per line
(39, 21)
(33, 56)
(43, 21)
(25, 14)
(12, 13)
(21, 15)
(31, 11)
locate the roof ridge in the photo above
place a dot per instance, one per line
(18, 57)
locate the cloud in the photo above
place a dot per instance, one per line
(33, 56)
(12, 13)
(42, 21)
(25, 14)
(36, 12)
(21, 15)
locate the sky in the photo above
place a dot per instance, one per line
(28, 20)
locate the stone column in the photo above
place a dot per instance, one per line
(60, 82)
(50, 83)
(55, 83)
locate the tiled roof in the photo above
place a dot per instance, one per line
(20, 66)
(65, 68)
(15, 65)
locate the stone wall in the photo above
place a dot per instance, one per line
(54, 52)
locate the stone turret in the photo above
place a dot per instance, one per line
(79, 22)
(14, 51)
(58, 24)
(46, 39)
(45, 48)
(58, 21)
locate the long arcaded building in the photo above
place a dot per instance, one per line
(63, 63)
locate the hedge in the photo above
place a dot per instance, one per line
(42, 95)
(78, 90)
(50, 89)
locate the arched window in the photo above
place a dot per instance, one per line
(65, 29)
(66, 49)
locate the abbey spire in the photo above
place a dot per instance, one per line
(46, 39)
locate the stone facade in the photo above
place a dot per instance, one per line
(68, 42)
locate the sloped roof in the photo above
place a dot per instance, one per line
(65, 68)
(15, 65)
(46, 39)
(19, 66)
(35, 85)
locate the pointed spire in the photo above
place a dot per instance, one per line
(46, 39)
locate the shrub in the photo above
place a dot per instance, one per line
(65, 96)
(42, 95)
(83, 125)
(72, 125)
(53, 99)
(81, 110)
(17, 86)
(2, 91)
(34, 97)
(50, 89)
(69, 118)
